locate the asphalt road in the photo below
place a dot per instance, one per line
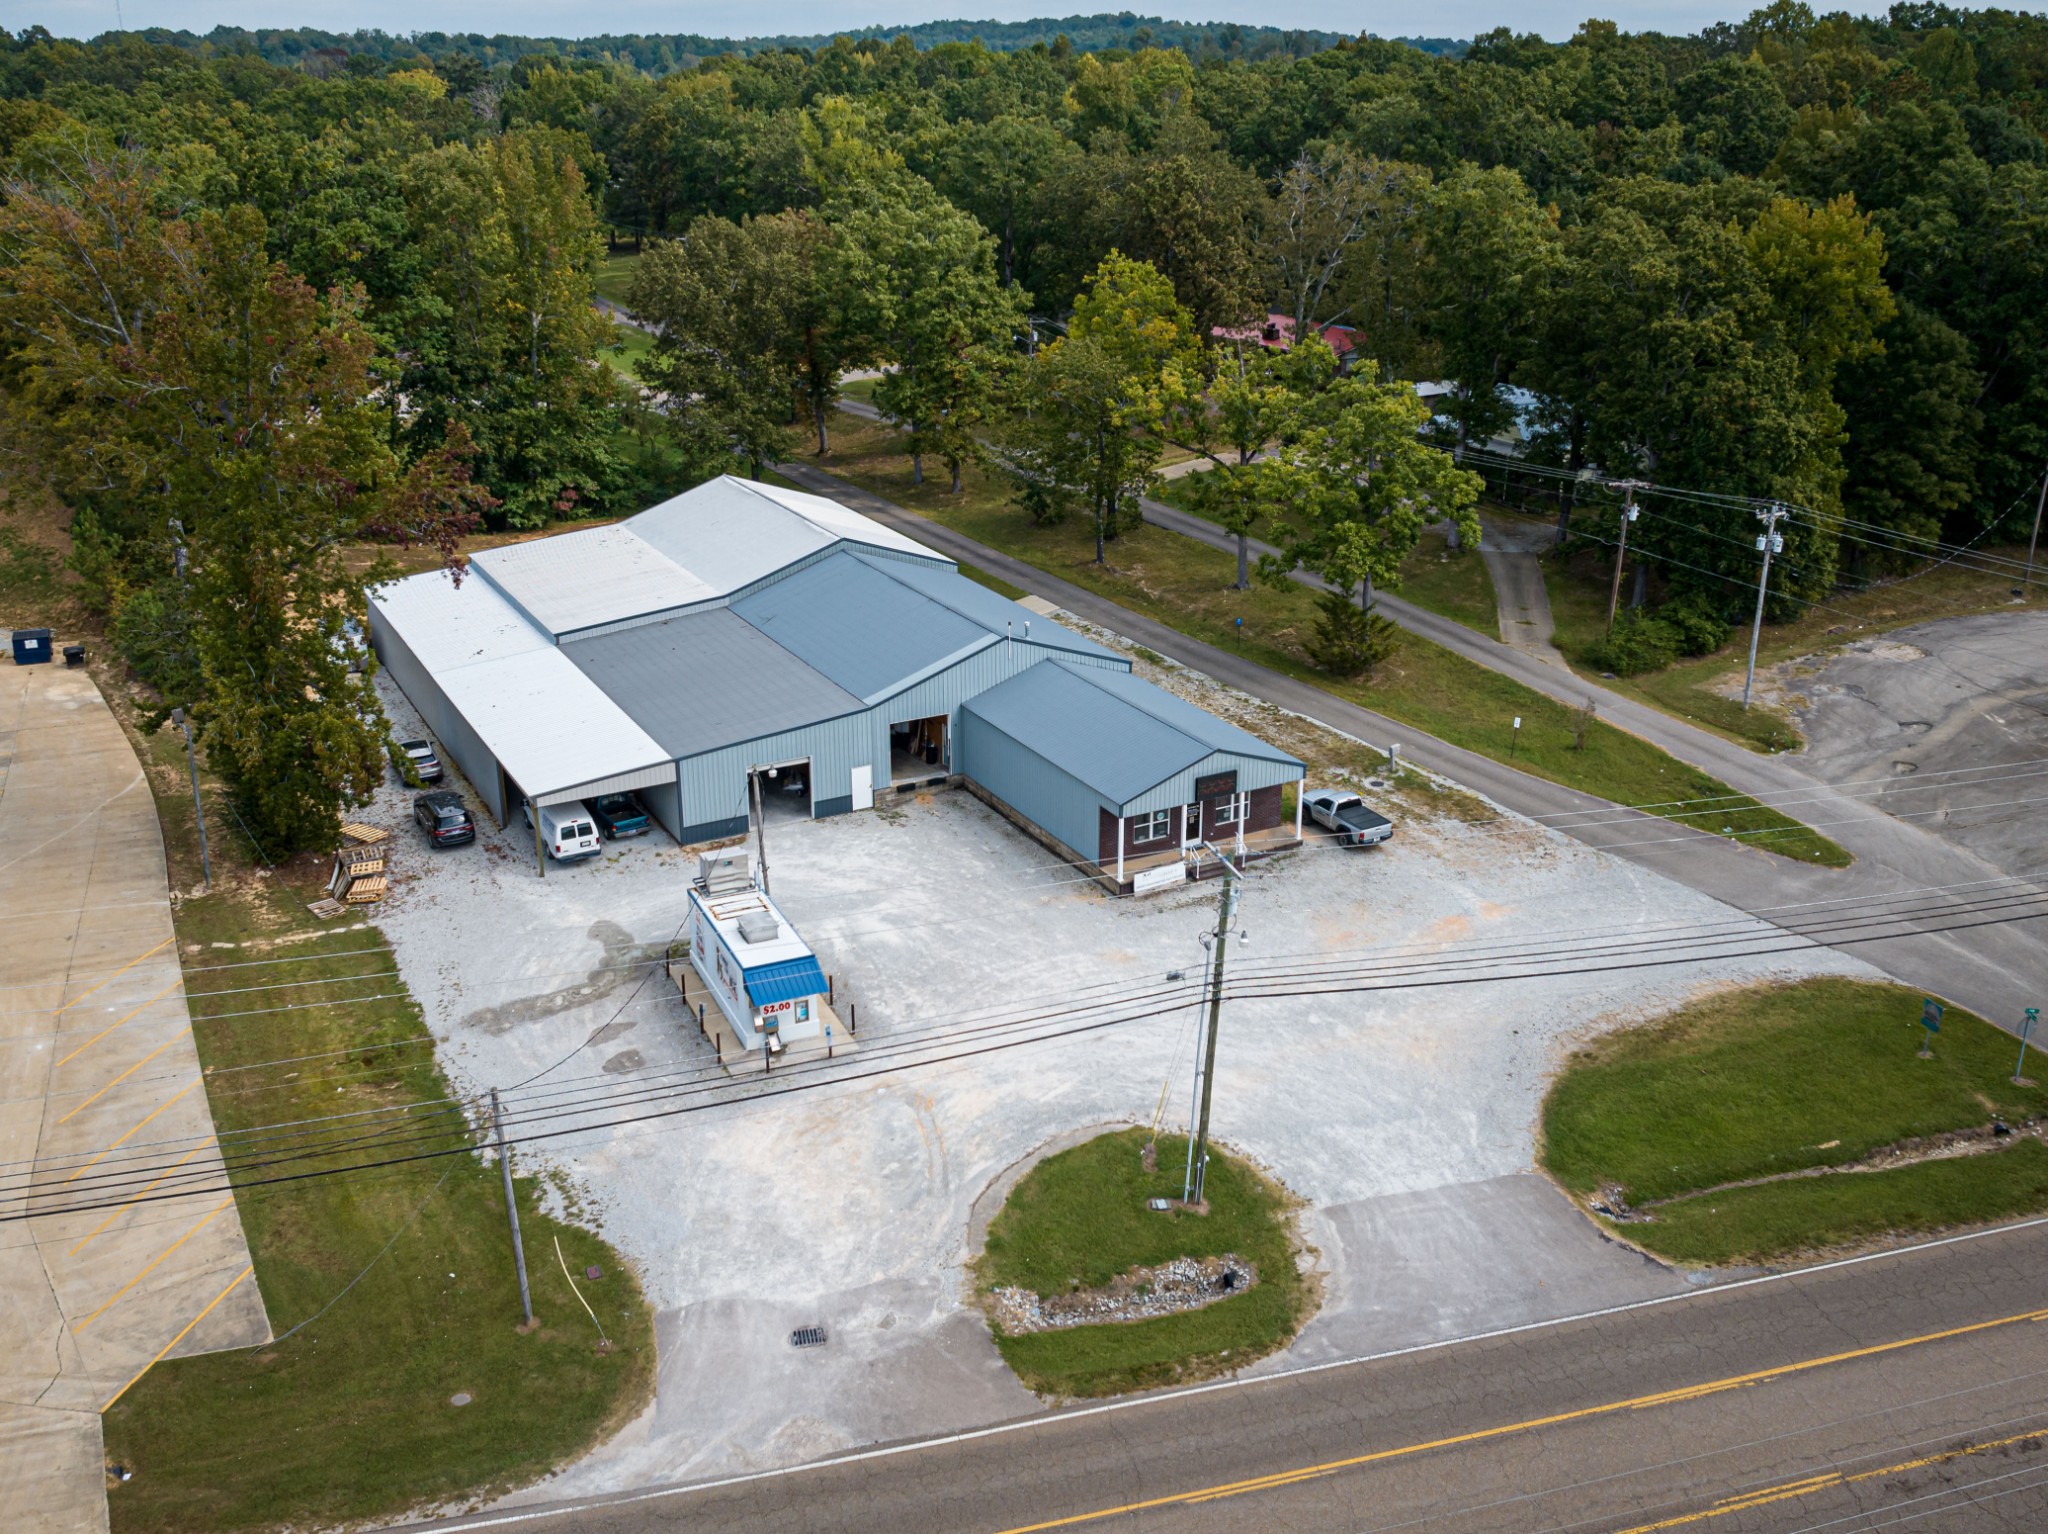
(1994, 970)
(1900, 1391)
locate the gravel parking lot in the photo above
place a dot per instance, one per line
(1404, 1118)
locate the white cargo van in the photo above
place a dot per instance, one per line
(566, 830)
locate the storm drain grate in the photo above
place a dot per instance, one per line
(807, 1337)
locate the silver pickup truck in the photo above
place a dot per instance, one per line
(1345, 815)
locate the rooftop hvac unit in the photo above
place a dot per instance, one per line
(759, 927)
(725, 873)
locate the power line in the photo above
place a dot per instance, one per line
(1363, 980)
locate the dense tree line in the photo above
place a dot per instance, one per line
(1797, 257)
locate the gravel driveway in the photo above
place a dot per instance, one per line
(1404, 1118)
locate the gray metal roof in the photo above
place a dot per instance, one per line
(866, 631)
(730, 533)
(1115, 732)
(993, 611)
(707, 679)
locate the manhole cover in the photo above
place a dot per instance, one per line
(807, 1337)
(460, 1398)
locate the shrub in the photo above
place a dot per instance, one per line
(1639, 643)
(1694, 623)
(1349, 641)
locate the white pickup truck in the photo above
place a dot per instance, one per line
(1345, 815)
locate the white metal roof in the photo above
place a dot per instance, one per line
(550, 727)
(445, 625)
(727, 912)
(732, 532)
(599, 575)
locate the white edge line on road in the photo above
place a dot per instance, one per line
(1046, 1419)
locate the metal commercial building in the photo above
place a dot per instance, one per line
(740, 630)
(1112, 771)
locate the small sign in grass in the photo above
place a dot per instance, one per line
(1783, 1119)
(1080, 1219)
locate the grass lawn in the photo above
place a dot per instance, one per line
(1183, 583)
(615, 275)
(350, 1419)
(633, 347)
(1078, 1219)
(1697, 690)
(1779, 1079)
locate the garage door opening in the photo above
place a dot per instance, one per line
(783, 791)
(918, 752)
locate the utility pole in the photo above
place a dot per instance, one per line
(2040, 503)
(191, 761)
(511, 1206)
(1768, 542)
(1628, 515)
(1198, 1155)
(760, 827)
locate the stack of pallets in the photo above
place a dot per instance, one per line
(359, 876)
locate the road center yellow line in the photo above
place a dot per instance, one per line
(138, 1065)
(116, 975)
(1481, 1435)
(180, 1337)
(88, 1044)
(1831, 1479)
(150, 1267)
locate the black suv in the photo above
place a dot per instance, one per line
(445, 818)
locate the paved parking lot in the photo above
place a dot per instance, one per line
(1404, 1118)
(96, 1065)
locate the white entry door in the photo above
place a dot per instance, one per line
(1191, 825)
(864, 787)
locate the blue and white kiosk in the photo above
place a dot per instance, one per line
(764, 977)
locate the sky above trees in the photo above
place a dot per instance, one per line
(1555, 19)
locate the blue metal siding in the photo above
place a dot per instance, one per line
(444, 722)
(1050, 798)
(714, 784)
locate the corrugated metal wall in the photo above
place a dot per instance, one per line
(1252, 772)
(714, 785)
(1046, 795)
(944, 693)
(459, 743)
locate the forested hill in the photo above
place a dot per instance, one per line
(663, 53)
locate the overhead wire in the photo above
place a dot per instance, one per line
(1840, 934)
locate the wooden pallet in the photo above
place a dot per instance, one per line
(363, 891)
(367, 836)
(327, 910)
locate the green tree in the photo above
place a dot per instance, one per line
(730, 342)
(1090, 404)
(504, 339)
(917, 280)
(200, 401)
(1370, 487)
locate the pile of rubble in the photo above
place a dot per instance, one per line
(1186, 1283)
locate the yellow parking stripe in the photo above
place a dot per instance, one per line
(118, 1208)
(180, 1337)
(138, 1065)
(151, 1266)
(1481, 1435)
(125, 1138)
(1833, 1478)
(88, 1044)
(116, 975)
